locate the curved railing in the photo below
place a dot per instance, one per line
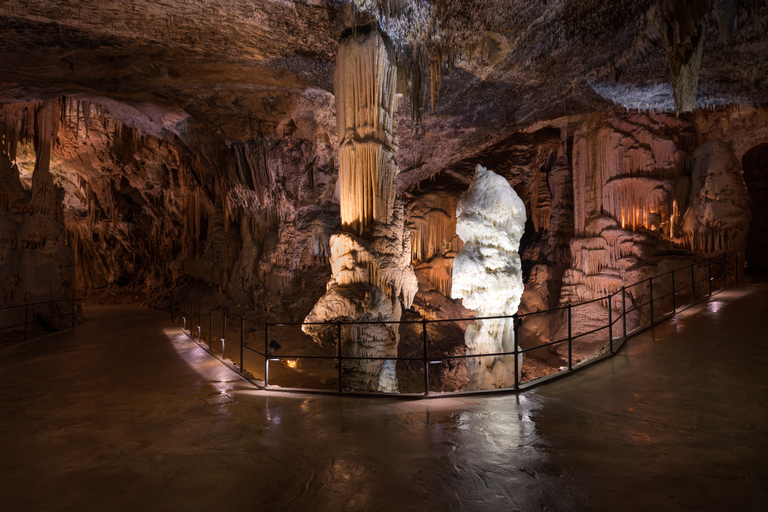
(249, 346)
(22, 319)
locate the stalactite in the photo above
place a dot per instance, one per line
(638, 202)
(682, 31)
(366, 80)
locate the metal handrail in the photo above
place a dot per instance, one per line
(613, 343)
(51, 317)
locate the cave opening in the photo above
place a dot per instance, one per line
(755, 166)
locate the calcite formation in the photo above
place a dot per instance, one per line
(718, 214)
(36, 262)
(202, 153)
(365, 81)
(370, 258)
(682, 30)
(488, 276)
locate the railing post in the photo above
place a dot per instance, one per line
(242, 331)
(674, 299)
(693, 284)
(570, 339)
(338, 351)
(26, 316)
(210, 332)
(50, 326)
(624, 309)
(266, 355)
(709, 267)
(426, 361)
(650, 282)
(610, 324)
(725, 272)
(515, 322)
(223, 331)
(199, 324)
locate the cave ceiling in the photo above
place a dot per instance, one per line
(235, 68)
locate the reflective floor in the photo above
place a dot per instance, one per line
(126, 414)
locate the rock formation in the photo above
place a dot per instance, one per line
(370, 257)
(718, 214)
(487, 274)
(201, 153)
(36, 262)
(682, 30)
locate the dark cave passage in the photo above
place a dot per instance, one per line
(755, 165)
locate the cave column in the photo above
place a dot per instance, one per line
(370, 257)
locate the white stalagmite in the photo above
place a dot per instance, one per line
(371, 258)
(487, 274)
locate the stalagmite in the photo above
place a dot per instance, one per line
(718, 216)
(487, 274)
(370, 259)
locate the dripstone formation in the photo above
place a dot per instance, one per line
(370, 257)
(301, 160)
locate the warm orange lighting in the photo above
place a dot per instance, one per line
(292, 363)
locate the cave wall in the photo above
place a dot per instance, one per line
(134, 217)
(35, 258)
(131, 216)
(609, 199)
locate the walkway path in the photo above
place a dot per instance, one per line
(116, 416)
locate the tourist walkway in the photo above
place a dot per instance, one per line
(126, 414)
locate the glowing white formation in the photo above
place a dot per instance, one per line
(487, 274)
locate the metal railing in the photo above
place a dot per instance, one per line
(246, 345)
(37, 314)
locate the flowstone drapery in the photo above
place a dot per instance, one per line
(487, 274)
(371, 258)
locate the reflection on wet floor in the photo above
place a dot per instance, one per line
(117, 416)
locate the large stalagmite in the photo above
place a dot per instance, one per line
(487, 274)
(370, 258)
(718, 214)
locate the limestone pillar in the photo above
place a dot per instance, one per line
(370, 257)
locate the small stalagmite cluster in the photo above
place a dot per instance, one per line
(370, 257)
(488, 275)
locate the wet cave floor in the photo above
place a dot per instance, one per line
(126, 413)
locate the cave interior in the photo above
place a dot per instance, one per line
(304, 159)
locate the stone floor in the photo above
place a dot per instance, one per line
(121, 415)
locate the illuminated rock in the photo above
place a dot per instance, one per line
(718, 214)
(487, 274)
(371, 258)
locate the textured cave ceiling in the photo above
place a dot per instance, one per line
(235, 68)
